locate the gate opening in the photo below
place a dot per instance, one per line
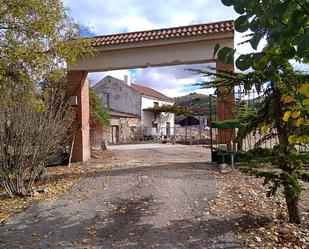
(191, 44)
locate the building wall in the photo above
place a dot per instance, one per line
(149, 102)
(162, 119)
(149, 118)
(129, 131)
(118, 96)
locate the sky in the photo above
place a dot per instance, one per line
(117, 16)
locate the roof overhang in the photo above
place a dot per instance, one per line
(181, 45)
(122, 115)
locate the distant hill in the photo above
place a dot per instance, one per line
(195, 101)
(200, 102)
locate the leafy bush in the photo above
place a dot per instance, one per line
(97, 112)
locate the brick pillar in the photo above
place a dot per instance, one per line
(225, 108)
(78, 85)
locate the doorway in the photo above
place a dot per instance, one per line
(168, 129)
(115, 134)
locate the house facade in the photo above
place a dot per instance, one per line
(155, 124)
(124, 108)
(118, 96)
(128, 122)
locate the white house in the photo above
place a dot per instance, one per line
(128, 122)
(153, 124)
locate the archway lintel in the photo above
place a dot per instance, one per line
(151, 56)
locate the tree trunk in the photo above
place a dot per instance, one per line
(240, 145)
(292, 203)
(282, 130)
(293, 210)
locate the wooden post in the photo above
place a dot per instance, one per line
(210, 121)
(225, 108)
(199, 126)
(186, 123)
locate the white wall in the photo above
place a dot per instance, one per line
(148, 118)
(149, 102)
(162, 119)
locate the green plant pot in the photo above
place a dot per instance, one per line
(218, 158)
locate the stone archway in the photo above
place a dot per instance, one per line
(161, 47)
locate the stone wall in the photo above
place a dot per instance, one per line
(192, 132)
(129, 131)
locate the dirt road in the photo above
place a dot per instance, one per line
(154, 197)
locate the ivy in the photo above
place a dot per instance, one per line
(176, 108)
(97, 112)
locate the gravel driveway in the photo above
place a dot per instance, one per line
(154, 197)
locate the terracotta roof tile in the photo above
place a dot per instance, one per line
(150, 92)
(162, 34)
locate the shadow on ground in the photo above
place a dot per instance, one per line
(123, 227)
(133, 170)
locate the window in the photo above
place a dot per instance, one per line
(155, 126)
(108, 101)
(155, 104)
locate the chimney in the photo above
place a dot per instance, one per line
(127, 80)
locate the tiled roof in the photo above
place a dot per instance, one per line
(163, 34)
(150, 92)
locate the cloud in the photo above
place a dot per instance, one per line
(171, 80)
(115, 16)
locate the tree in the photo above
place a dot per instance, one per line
(267, 115)
(297, 105)
(37, 39)
(31, 132)
(284, 25)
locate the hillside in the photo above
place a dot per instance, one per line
(197, 101)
